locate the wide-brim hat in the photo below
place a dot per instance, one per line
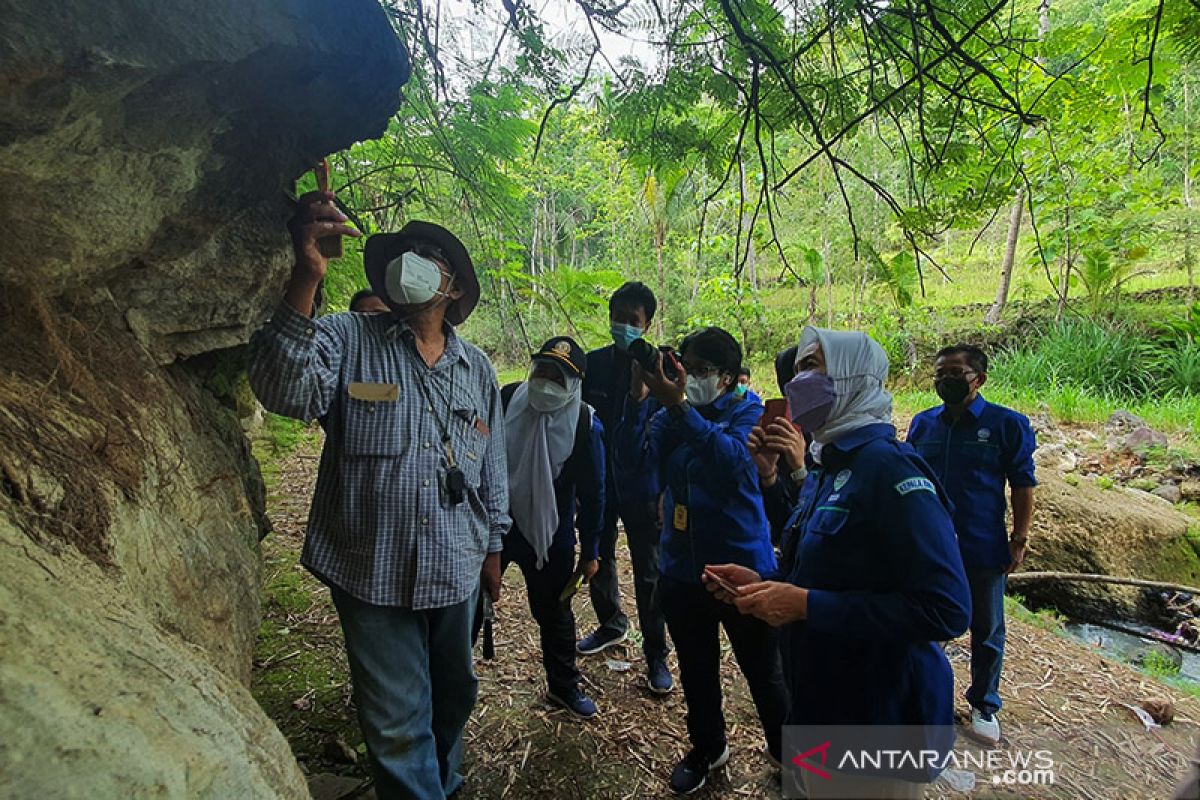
(383, 247)
(563, 350)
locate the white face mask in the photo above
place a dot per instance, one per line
(703, 391)
(412, 280)
(546, 396)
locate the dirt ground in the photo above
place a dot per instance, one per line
(1058, 695)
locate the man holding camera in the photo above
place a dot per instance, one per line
(411, 502)
(632, 495)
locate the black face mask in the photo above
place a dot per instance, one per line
(952, 390)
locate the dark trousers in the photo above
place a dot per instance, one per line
(555, 619)
(642, 531)
(695, 618)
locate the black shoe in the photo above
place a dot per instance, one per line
(690, 774)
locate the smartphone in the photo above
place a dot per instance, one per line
(330, 246)
(776, 408)
(719, 581)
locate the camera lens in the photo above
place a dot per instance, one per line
(644, 353)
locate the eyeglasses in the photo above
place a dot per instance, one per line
(700, 371)
(965, 374)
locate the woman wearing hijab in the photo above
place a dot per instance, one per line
(870, 579)
(555, 485)
(712, 513)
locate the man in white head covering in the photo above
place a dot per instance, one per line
(555, 449)
(870, 580)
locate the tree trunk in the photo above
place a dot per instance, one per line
(1087, 577)
(1064, 274)
(744, 224)
(1010, 251)
(660, 235)
(826, 246)
(1188, 255)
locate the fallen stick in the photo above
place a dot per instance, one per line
(1081, 577)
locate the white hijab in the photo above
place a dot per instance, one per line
(538, 445)
(858, 367)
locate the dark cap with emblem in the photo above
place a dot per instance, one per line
(563, 351)
(383, 247)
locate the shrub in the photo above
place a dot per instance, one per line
(1112, 361)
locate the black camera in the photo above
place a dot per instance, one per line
(453, 484)
(646, 355)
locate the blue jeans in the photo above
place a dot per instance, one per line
(987, 637)
(414, 688)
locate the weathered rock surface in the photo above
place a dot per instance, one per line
(1131, 434)
(1169, 492)
(147, 150)
(146, 147)
(1056, 457)
(1121, 532)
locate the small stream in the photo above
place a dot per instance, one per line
(1127, 647)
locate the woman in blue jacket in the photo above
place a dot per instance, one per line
(871, 579)
(712, 513)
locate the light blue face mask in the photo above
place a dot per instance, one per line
(624, 335)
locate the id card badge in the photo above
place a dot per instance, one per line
(681, 518)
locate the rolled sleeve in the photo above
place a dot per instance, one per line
(294, 363)
(493, 487)
(1019, 467)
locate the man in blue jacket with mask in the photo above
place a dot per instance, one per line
(975, 448)
(632, 494)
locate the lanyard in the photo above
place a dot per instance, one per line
(421, 369)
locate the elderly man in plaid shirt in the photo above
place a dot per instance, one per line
(411, 502)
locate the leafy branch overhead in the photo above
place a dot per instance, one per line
(949, 88)
(787, 143)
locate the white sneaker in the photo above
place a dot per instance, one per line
(985, 726)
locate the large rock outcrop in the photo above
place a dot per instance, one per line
(1081, 527)
(146, 152)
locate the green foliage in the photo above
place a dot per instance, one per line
(897, 273)
(1103, 274)
(1183, 328)
(671, 170)
(1159, 665)
(1047, 619)
(1098, 358)
(1180, 368)
(281, 435)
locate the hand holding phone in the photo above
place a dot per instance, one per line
(725, 585)
(775, 408)
(330, 246)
